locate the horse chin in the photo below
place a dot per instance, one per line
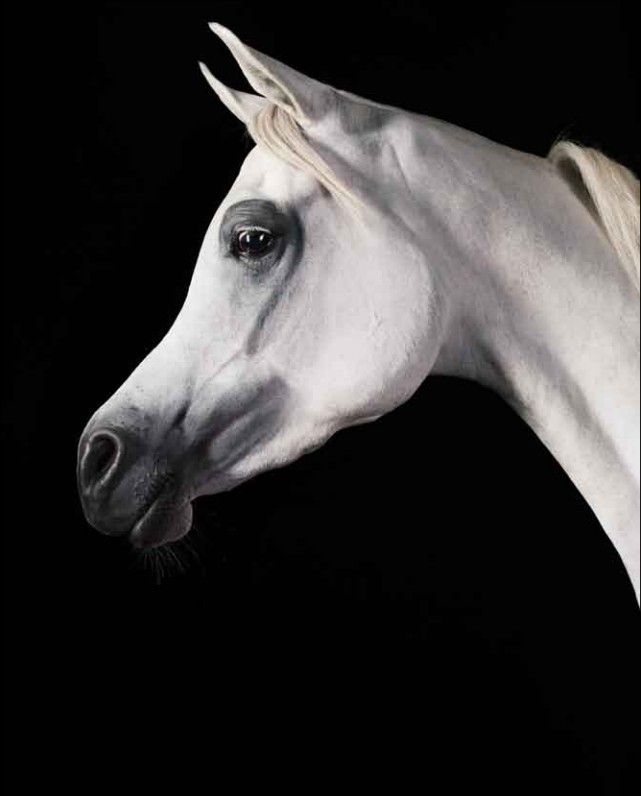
(164, 521)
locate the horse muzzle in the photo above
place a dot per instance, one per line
(128, 491)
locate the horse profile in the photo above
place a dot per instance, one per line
(360, 249)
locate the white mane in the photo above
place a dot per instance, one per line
(277, 130)
(614, 193)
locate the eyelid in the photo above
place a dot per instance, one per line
(253, 228)
(241, 227)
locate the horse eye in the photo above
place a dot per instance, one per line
(253, 242)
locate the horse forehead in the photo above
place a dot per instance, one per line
(267, 175)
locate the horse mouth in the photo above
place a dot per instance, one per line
(164, 520)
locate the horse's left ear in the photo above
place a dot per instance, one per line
(243, 105)
(305, 99)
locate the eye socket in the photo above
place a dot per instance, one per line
(252, 242)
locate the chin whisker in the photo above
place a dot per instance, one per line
(176, 559)
(173, 559)
(160, 563)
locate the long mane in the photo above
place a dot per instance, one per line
(613, 192)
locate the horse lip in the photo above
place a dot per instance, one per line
(164, 520)
(141, 518)
(154, 488)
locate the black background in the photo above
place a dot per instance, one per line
(426, 602)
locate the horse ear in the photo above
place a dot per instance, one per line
(302, 97)
(243, 105)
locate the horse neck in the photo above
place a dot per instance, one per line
(542, 312)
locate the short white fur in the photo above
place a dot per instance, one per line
(465, 258)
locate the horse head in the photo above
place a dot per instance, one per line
(311, 308)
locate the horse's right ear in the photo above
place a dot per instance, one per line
(243, 105)
(305, 99)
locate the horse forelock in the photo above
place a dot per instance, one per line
(278, 131)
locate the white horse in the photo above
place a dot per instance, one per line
(361, 248)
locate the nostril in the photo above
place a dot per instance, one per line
(101, 454)
(104, 452)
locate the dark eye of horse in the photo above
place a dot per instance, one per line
(253, 242)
